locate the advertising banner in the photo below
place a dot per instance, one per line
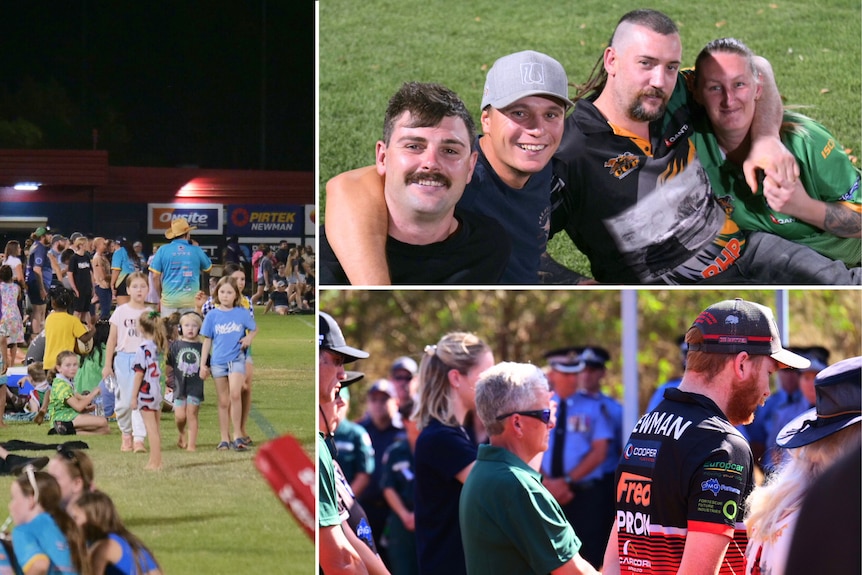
(265, 220)
(208, 218)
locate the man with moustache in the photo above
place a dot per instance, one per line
(524, 104)
(637, 201)
(510, 523)
(427, 158)
(686, 471)
(337, 554)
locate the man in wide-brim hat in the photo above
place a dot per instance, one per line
(177, 269)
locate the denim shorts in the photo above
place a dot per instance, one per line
(226, 369)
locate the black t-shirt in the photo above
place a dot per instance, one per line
(81, 269)
(684, 468)
(477, 253)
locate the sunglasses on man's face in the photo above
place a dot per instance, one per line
(543, 415)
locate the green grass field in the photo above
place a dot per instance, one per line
(367, 49)
(210, 512)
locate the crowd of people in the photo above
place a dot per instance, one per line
(115, 339)
(459, 464)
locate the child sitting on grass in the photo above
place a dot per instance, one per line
(68, 410)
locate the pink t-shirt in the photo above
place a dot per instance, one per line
(125, 317)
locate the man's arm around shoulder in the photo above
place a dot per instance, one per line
(357, 225)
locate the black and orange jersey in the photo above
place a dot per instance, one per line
(684, 468)
(642, 211)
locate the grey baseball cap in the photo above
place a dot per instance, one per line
(525, 74)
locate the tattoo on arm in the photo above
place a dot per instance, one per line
(842, 221)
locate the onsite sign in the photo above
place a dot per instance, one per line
(208, 218)
(265, 220)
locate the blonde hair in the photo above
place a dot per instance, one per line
(151, 323)
(782, 494)
(457, 350)
(136, 275)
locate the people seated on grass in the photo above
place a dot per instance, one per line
(821, 208)
(112, 548)
(70, 412)
(62, 328)
(74, 471)
(37, 401)
(278, 300)
(45, 538)
(426, 159)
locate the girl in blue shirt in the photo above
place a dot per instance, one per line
(228, 331)
(45, 538)
(113, 549)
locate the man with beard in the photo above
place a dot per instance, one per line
(427, 158)
(637, 201)
(686, 471)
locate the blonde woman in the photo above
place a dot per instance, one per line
(815, 440)
(445, 452)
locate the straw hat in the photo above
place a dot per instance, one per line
(179, 228)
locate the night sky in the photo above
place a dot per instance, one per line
(166, 83)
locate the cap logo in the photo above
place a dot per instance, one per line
(532, 73)
(707, 318)
(731, 319)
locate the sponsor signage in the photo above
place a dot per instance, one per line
(208, 218)
(310, 220)
(265, 220)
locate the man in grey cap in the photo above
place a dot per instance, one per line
(427, 156)
(685, 471)
(524, 103)
(333, 353)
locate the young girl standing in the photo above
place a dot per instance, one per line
(184, 361)
(147, 389)
(228, 331)
(11, 325)
(124, 340)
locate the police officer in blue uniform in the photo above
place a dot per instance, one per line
(574, 464)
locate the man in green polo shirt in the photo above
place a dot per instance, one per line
(509, 522)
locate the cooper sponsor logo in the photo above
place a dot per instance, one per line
(632, 450)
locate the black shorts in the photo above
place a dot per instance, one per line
(82, 303)
(121, 289)
(34, 288)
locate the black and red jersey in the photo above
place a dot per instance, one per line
(684, 468)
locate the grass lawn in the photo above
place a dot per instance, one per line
(210, 512)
